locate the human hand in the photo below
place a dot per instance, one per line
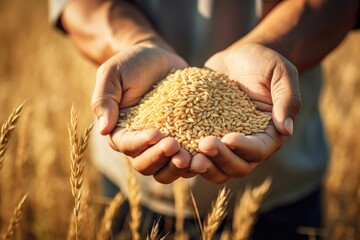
(271, 82)
(120, 83)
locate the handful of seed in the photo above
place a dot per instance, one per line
(193, 103)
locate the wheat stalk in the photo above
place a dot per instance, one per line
(180, 201)
(197, 215)
(6, 130)
(134, 200)
(16, 219)
(77, 163)
(86, 223)
(217, 214)
(246, 209)
(109, 216)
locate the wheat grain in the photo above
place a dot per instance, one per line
(109, 216)
(77, 163)
(246, 209)
(193, 103)
(134, 200)
(16, 219)
(217, 214)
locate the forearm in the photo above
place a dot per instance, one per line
(99, 28)
(305, 31)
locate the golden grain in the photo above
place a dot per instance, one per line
(195, 103)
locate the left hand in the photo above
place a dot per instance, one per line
(271, 82)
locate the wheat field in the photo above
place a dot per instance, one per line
(41, 67)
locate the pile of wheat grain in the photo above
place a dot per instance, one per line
(193, 103)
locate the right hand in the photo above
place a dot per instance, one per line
(120, 83)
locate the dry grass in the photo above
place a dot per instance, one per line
(134, 200)
(40, 65)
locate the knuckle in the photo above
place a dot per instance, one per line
(181, 165)
(144, 171)
(297, 103)
(104, 70)
(112, 144)
(97, 104)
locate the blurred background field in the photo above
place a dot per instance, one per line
(41, 66)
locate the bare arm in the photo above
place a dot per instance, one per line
(132, 58)
(101, 28)
(302, 31)
(305, 31)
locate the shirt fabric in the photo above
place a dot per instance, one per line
(196, 30)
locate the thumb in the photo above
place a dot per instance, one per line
(286, 97)
(106, 98)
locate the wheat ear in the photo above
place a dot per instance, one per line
(134, 200)
(110, 212)
(6, 130)
(16, 219)
(77, 163)
(217, 214)
(154, 231)
(246, 209)
(154, 234)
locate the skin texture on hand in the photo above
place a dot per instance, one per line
(271, 81)
(121, 82)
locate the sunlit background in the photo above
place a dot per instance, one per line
(39, 65)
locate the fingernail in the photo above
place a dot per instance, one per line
(102, 122)
(289, 125)
(198, 170)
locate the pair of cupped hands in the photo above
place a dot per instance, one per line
(268, 78)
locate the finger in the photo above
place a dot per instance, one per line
(177, 166)
(207, 169)
(106, 98)
(155, 157)
(286, 97)
(254, 148)
(133, 143)
(230, 163)
(188, 174)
